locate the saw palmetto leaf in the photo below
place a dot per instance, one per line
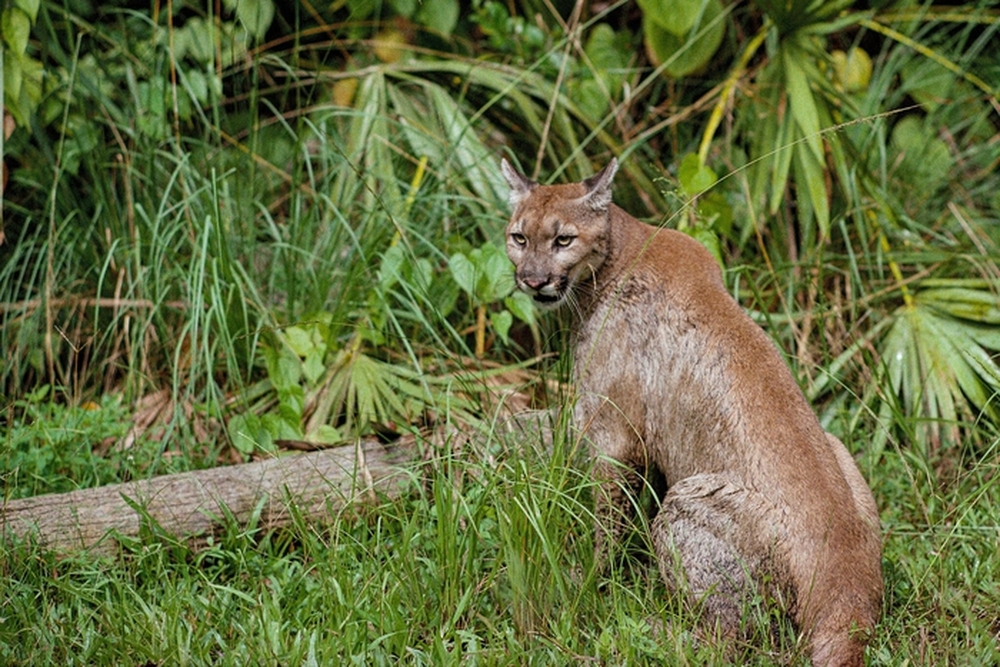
(360, 390)
(939, 359)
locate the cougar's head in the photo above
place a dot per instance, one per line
(558, 234)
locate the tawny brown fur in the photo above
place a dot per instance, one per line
(674, 379)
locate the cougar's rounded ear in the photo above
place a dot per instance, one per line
(520, 185)
(598, 186)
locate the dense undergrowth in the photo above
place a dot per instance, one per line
(484, 563)
(223, 228)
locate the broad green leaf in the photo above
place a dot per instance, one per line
(22, 86)
(591, 97)
(715, 210)
(27, 102)
(675, 16)
(496, 274)
(521, 306)
(197, 84)
(607, 57)
(390, 270)
(485, 274)
(283, 368)
(255, 15)
(12, 84)
(439, 15)
(422, 273)
(926, 160)
(249, 434)
(404, 8)
(291, 402)
(690, 52)
(243, 432)
(464, 273)
(278, 428)
(153, 107)
(928, 82)
(195, 40)
(609, 53)
(30, 7)
(16, 30)
(709, 239)
(694, 177)
(304, 341)
(313, 366)
(501, 321)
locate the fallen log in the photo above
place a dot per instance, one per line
(191, 505)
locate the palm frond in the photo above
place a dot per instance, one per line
(939, 358)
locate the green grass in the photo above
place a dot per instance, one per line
(487, 562)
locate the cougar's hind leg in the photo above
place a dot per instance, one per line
(708, 543)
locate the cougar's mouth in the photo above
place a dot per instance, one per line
(547, 299)
(546, 296)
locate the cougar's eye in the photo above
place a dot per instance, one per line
(564, 241)
(518, 239)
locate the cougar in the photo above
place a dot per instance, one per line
(675, 383)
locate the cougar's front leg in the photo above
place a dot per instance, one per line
(614, 506)
(610, 431)
(614, 445)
